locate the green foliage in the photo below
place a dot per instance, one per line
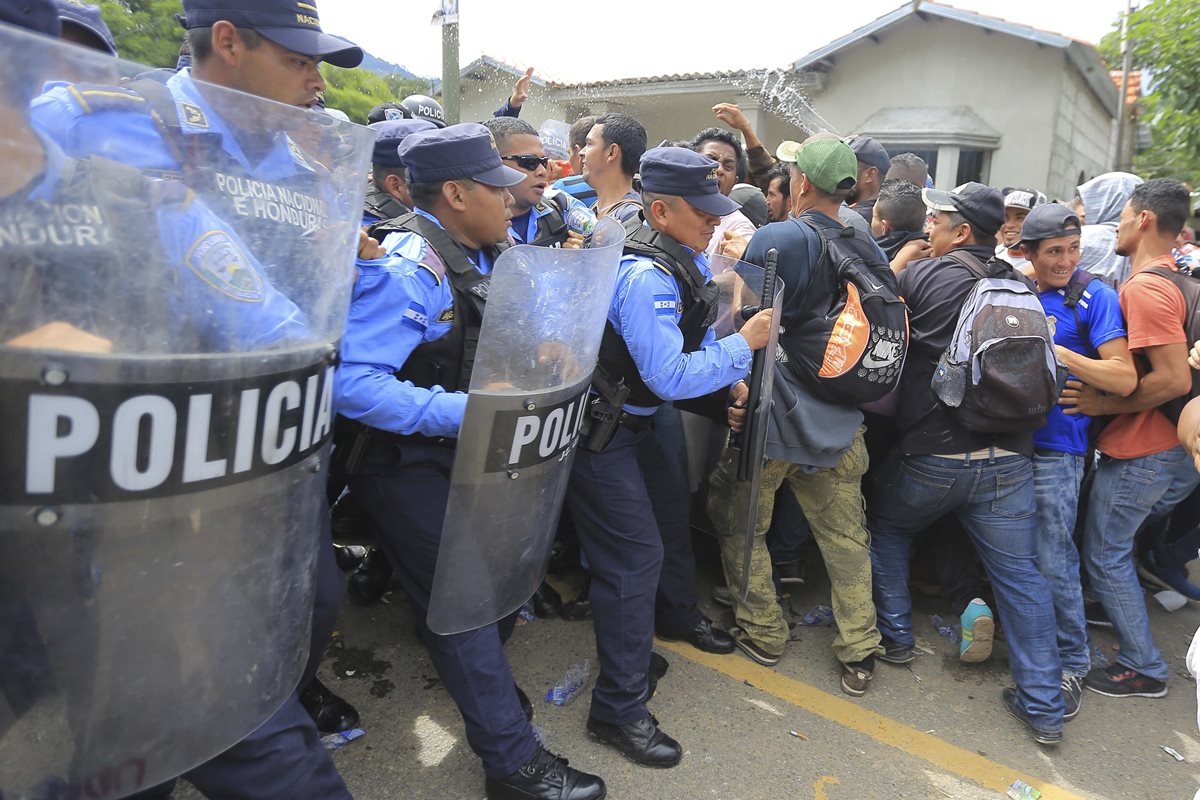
(145, 30)
(1164, 45)
(357, 91)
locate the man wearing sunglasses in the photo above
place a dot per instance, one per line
(539, 213)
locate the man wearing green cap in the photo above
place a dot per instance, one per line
(815, 446)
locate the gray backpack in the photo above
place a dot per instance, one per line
(999, 374)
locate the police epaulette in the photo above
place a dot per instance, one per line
(662, 268)
(96, 97)
(437, 279)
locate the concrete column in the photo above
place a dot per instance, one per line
(947, 167)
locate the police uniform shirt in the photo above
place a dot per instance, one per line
(399, 303)
(218, 298)
(523, 229)
(645, 311)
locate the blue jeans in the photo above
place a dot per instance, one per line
(1125, 493)
(994, 500)
(1056, 479)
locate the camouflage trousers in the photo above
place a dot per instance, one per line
(833, 503)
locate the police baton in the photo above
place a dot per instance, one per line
(754, 431)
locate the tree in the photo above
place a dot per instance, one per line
(1164, 46)
(145, 30)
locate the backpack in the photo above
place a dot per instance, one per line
(999, 374)
(1188, 284)
(1075, 289)
(849, 337)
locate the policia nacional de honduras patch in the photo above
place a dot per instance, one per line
(221, 263)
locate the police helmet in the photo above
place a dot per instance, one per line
(421, 106)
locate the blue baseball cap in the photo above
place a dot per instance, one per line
(389, 134)
(467, 150)
(86, 17)
(680, 172)
(293, 24)
(39, 16)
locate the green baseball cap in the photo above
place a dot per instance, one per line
(830, 164)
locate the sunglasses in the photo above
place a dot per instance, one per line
(528, 163)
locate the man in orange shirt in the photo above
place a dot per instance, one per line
(1143, 471)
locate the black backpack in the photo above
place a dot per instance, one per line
(1189, 286)
(847, 341)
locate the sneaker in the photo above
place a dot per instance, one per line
(978, 627)
(896, 653)
(722, 596)
(856, 675)
(792, 572)
(1095, 615)
(1117, 680)
(1167, 577)
(743, 642)
(1072, 692)
(1040, 735)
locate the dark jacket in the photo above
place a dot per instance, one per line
(890, 243)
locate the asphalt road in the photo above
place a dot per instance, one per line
(933, 729)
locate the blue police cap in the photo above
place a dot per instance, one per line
(87, 17)
(457, 151)
(685, 173)
(39, 16)
(388, 136)
(293, 24)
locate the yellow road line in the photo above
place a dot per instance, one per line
(964, 763)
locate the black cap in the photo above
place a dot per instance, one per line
(39, 16)
(980, 205)
(1050, 221)
(87, 17)
(387, 111)
(871, 153)
(388, 136)
(680, 172)
(459, 151)
(293, 24)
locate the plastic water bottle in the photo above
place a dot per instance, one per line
(571, 685)
(580, 220)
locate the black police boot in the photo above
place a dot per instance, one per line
(581, 607)
(546, 777)
(546, 601)
(349, 556)
(331, 713)
(642, 742)
(658, 668)
(372, 578)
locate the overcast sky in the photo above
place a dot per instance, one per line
(600, 40)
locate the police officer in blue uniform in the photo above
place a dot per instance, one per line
(269, 48)
(388, 196)
(659, 343)
(406, 365)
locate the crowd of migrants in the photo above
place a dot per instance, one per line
(1032, 527)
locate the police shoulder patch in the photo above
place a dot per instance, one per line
(665, 304)
(297, 153)
(447, 315)
(193, 115)
(220, 262)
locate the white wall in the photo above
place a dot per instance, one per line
(1082, 137)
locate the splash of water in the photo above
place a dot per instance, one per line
(779, 92)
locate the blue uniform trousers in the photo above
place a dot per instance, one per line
(617, 532)
(404, 490)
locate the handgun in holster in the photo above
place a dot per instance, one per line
(604, 411)
(351, 441)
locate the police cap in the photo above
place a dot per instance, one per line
(388, 136)
(458, 151)
(292, 24)
(39, 16)
(680, 172)
(86, 18)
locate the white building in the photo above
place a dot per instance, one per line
(978, 97)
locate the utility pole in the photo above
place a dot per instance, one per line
(1121, 163)
(450, 90)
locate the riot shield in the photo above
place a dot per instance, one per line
(541, 334)
(168, 406)
(745, 289)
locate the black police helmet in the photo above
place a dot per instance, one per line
(420, 106)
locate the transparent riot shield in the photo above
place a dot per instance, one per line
(166, 382)
(541, 334)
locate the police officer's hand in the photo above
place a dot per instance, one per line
(1194, 356)
(739, 393)
(574, 241)
(732, 245)
(757, 329)
(911, 251)
(61, 336)
(559, 359)
(368, 248)
(521, 89)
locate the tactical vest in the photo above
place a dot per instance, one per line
(448, 360)
(382, 206)
(66, 258)
(552, 227)
(698, 297)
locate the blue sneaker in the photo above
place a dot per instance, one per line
(1167, 577)
(978, 627)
